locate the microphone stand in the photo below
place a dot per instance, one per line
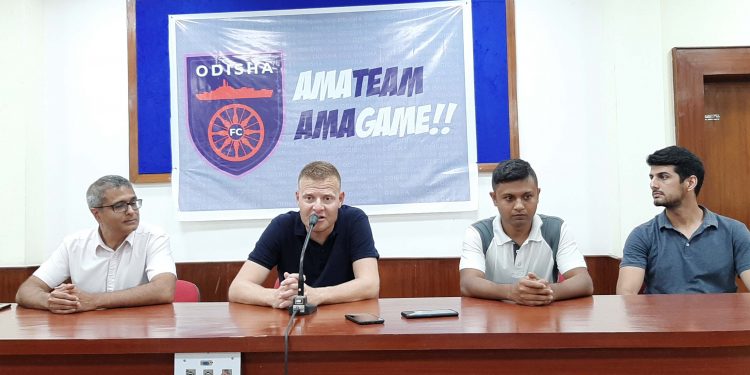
(300, 305)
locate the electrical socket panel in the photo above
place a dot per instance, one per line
(207, 363)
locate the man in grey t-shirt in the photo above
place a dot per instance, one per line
(686, 248)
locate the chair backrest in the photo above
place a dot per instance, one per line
(185, 291)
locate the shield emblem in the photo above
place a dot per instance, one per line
(235, 108)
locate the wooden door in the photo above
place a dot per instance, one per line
(714, 81)
(712, 118)
(725, 138)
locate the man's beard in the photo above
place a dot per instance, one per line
(663, 201)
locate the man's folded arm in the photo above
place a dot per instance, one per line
(577, 283)
(33, 294)
(475, 284)
(366, 285)
(157, 291)
(247, 286)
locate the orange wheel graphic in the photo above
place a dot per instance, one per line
(236, 132)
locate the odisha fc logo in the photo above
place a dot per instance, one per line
(236, 131)
(235, 106)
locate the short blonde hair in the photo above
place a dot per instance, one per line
(318, 171)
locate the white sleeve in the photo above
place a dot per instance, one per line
(568, 256)
(472, 254)
(159, 255)
(56, 269)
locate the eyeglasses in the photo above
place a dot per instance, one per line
(121, 207)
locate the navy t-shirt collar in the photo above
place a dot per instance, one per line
(301, 231)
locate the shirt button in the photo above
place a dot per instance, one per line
(687, 243)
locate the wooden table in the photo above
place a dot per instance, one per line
(600, 334)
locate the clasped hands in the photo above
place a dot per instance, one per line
(67, 299)
(530, 290)
(288, 289)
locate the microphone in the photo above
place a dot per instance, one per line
(300, 304)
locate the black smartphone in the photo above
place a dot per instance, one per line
(364, 318)
(4, 306)
(414, 314)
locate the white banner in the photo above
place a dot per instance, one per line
(385, 93)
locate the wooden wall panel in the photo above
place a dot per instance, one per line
(604, 271)
(212, 278)
(405, 277)
(399, 277)
(10, 279)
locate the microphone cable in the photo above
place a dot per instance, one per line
(286, 341)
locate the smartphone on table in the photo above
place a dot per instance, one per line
(364, 318)
(416, 314)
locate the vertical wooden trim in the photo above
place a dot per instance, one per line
(132, 94)
(510, 17)
(135, 176)
(688, 97)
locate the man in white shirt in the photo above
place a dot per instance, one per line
(117, 264)
(521, 261)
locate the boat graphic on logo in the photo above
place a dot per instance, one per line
(235, 109)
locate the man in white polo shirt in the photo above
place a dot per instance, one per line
(518, 254)
(117, 264)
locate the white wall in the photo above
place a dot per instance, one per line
(594, 99)
(20, 129)
(589, 89)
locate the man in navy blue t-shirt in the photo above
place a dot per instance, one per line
(340, 262)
